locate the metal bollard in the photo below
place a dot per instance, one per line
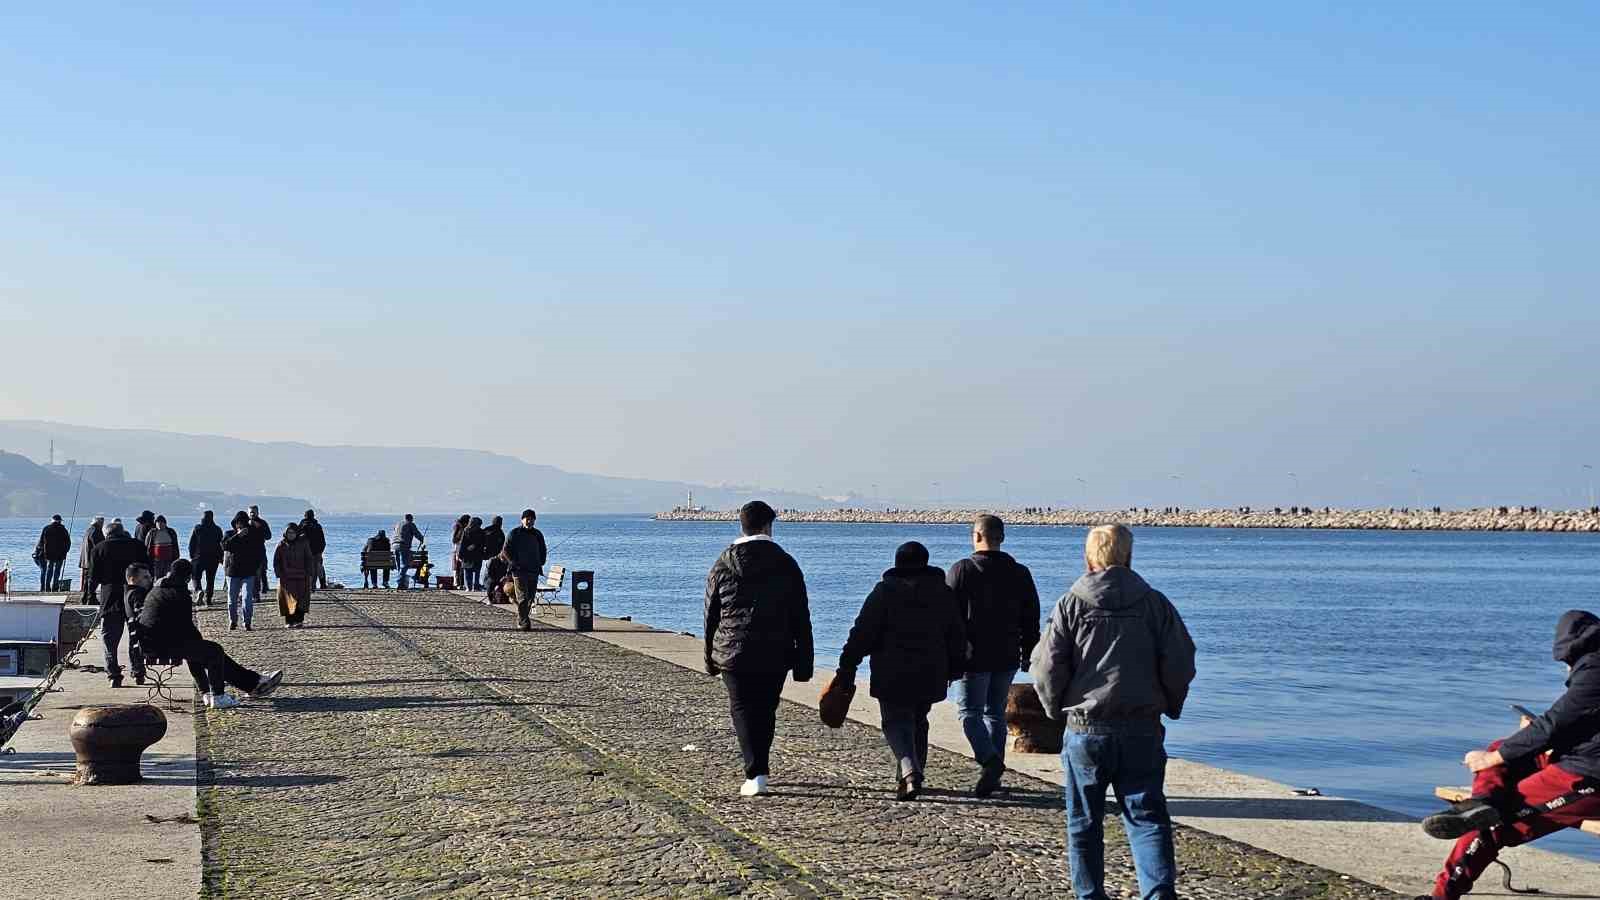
(582, 601)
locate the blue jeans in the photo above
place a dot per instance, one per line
(251, 588)
(402, 559)
(1135, 766)
(980, 699)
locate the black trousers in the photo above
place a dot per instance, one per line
(209, 570)
(113, 621)
(213, 669)
(526, 583)
(753, 703)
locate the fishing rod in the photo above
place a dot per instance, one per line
(569, 537)
(73, 522)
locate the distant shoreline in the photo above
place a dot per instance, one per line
(1488, 519)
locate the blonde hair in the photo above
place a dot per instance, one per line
(1107, 546)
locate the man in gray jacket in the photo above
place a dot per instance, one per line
(1115, 657)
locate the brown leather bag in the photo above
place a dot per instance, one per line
(835, 702)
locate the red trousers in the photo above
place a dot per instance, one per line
(1535, 798)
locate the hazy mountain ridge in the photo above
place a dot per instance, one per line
(29, 489)
(353, 479)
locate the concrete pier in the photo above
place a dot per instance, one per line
(420, 746)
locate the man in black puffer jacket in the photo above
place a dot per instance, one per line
(311, 529)
(758, 629)
(911, 629)
(1000, 609)
(205, 554)
(166, 628)
(1542, 779)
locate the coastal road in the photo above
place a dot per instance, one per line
(420, 747)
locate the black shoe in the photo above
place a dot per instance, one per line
(1461, 818)
(116, 682)
(993, 770)
(908, 788)
(139, 679)
(246, 624)
(525, 626)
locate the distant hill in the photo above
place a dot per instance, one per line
(29, 489)
(371, 479)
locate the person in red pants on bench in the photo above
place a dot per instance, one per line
(1542, 779)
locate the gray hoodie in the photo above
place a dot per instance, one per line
(1115, 656)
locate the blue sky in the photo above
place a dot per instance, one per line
(824, 247)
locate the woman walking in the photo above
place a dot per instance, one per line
(295, 564)
(472, 555)
(912, 630)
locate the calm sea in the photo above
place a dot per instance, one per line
(1360, 663)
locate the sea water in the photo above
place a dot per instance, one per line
(1361, 663)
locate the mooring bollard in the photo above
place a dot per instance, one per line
(582, 601)
(109, 740)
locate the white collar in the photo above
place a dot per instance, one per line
(752, 537)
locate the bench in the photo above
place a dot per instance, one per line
(551, 585)
(1457, 794)
(160, 670)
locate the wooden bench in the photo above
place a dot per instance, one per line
(375, 560)
(1457, 794)
(551, 585)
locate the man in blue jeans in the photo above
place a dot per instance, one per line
(1114, 658)
(999, 608)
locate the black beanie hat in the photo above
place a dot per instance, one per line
(910, 555)
(180, 571)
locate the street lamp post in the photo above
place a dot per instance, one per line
(938, 502)
(1418, 473)
(1590, 469)
(1296, 479)
(1084, 485)
(1007, 485)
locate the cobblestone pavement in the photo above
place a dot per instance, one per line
(420, 747)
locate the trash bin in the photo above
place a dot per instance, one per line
(582, 601)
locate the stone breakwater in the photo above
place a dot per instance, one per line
(1490, 519)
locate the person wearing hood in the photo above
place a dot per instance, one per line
(108, 574)
(494, 540)
(1000, 610)
(161, 542)
(312, 530)
(143, 524)
(758, 629)
(1115, 657)
(378, 543)
(205, 554)
(167, 629)
(55, 542)
(471, 554)
(93, 536)
(246, 558)
(296, 568)
(1543, 779)
(910, 627)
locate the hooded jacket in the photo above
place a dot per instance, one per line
(166, 622)
(757, 617)
(1115, 656)
(494, 539)
(293, 559)
(471, 551)
(311, 531)
(205, 542)
(910, 627)
(1570, 729)
(91, 538)
(109, 564)
(55, 541)
(246, 552)
(999, 608)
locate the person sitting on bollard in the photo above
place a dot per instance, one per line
(911, 628)
(1543, 779)
(1115, 657)
(167, 629)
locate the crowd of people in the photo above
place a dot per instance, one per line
(1113, 658)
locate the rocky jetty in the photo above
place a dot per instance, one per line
(1503, 518)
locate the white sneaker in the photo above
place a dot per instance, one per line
(224, 701)
(754, 787)
(208, 701)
